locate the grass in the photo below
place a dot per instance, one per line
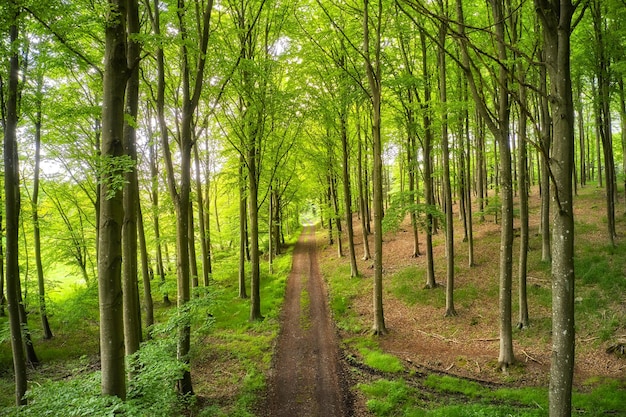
(446, 396)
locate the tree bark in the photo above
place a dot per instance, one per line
(111, 204)
(428, 167)
(132, 309)
(347, 196)
(148, 304)
(12, 210)
(202, 225)
(373, 71)
(47, 332)
(556, 18)
(243, 219)
(447, 189)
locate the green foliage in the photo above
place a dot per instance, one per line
(403, 203)
(111, 172)
(492, 208)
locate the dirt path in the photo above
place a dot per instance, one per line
(307, 377)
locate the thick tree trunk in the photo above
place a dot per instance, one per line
(556, 20)
(111, 205)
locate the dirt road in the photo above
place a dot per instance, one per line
(307, 377)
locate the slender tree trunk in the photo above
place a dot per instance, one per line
(546, 143)
(163, 135)
(362, 204)
(12, 211)
(603, 115)
(47, 332)
(111, 205)
(148, 304)
(347, 196)
(243, 219)
(373, 71)
(3, 299)
(132, 309)
(193, 261)
(557, 31)
(428, 169)
(204, 234)
(447, 189)
(523, 321)
(622, 114)
(253, 208)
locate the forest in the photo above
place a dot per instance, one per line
(161, 159)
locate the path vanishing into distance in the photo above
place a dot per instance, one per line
(307, 377)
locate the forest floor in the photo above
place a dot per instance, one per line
(467, 346)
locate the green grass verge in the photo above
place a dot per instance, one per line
(448, 396)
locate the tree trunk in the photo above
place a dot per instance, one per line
(347, 196)
(132, 309)
(163, 135)
(603, 115)
(253, 209)
(622, 115)
(111, 204)
(47, 332)
(546, 143)
(193, 261)
(148, 304)
(556, 20)
(447, 189)
(12, 211)
(204, 234)
(243, 219)
(428, 169)
(373, 71)
(523, 321)
(499, 127)
(362, 204)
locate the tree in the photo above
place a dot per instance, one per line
(12, 206)
(447, 189)
(373, 70)
(556, 19)
(111, 208)
(499, 126)
(47, 332)
(130, 198)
